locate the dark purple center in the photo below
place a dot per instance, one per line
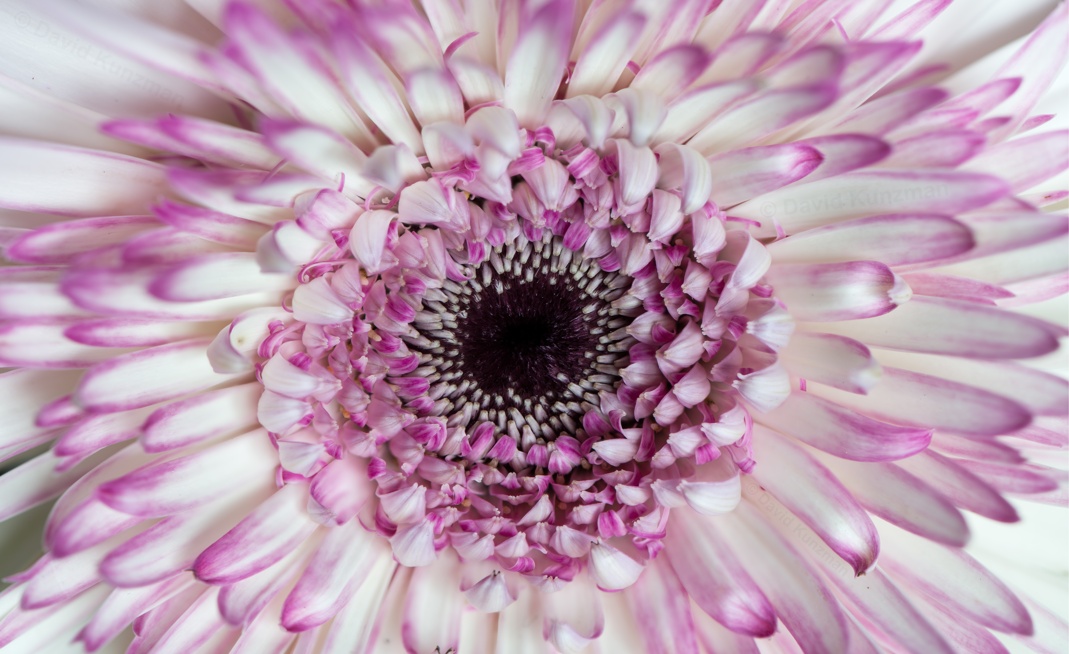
(528, 339)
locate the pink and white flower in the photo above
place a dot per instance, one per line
(533, 326)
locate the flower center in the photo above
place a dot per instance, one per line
(534, 331)
(537, 364)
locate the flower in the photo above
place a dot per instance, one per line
(518, 326)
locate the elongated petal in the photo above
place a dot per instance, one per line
(894, 240)
(838, 291)
(801, 600)
(537, 62)
(148, 376)
(714, 577)
(924, 401)
(843, 432)
(605, 57)
(1041, 392)
(191, 481)
(902, 499)
(433, 607)
(218, 276)
(813, 494)
(965, 329)
(334, 573)
(292, 76)
(743, 174)
(663, 612)
(837, 361)
(953, 578)
(260, 540)
(27, 166)
(858, 194)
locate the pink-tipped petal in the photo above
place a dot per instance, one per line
(714, 577)
(260, 540)
(146, 377)
(433, 608)
(843, 432)
(191, 481)
(953, 327)
(662, 609)
(894, 240)
(838, 291)
(811, 492)
(333, 575)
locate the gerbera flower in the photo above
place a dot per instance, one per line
(524, 326)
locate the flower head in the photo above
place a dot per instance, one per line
(473, 326)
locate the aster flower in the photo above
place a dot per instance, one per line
(524, 326)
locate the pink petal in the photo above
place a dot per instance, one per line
(59, 242)
(146, 377)
(837, 361)
(963, 488)
(413, 545)
(919, 400)
(953, 327)
(41, 343)
(812, 493)
(27, 293)
(858, 194)
(843, 432)
(715, 579)
(759, 117)
(21, 393)
(123, 606)
(86, 525)
(34, 482)
(955, 580)
(260, 540)
(891, 612)
(838, 291)
(357, 622)
(801, 601)
(939, 149)
(371, 84)
(611, 568)
(537, 62)
(340, 490)
(671, 71)
(662, 610)
(692, 111)
(1042, 393)
(845, 152)
(605, 56)
(1026, 161)
(333, 574)
(201, 418)
(894, 240)
(433, 607)
(217, 276)
(292, 75)
(191, 481)
(902, 499)
(743, 174)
